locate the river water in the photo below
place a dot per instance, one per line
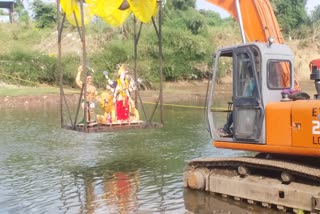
(46, 169)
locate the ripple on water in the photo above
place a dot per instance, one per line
(45, 169)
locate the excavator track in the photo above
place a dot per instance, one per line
(272, 183)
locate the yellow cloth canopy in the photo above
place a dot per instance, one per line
(72, 10)
(109, 10)
(143, 9)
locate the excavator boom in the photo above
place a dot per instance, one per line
(258, 19)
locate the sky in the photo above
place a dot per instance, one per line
(203, 4)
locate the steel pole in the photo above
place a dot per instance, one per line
(160, 60)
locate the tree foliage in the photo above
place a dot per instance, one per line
(44, 13)
(315, 14)
(189, 19)
(212, 18)
(182, 14)
(183, 4)
(290, 14)
(315, 23)
(22, 13)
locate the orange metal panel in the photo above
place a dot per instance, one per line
(306, 123)
(278, 124)
(293, 128)
(258, 18)
(314, 152)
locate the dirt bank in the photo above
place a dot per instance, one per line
(8, 102)
(173, 92)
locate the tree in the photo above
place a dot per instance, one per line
(315, 23)
(181, 14)
(183, 4)
(45, 13)
(212, 18)
(194, 21)
(22, 13)
(290, 14)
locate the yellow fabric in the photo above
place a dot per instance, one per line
(143, 9)
(109, 10)
(102, 7)
(73, 6)
(87, 17)
(68, 6)
(117, 18)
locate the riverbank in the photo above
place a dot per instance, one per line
(173, 92)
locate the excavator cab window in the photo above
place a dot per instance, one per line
(248, 111)
(247, 86)
(278, 74)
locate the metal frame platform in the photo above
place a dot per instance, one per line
(114, 126)
(87, 127)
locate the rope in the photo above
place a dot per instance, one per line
(172, 105)
(23, 80)
(28, 81)
(190, 106)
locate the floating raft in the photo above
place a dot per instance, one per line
(108, 127)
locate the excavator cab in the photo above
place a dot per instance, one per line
(260, 73)
(270, 116)
(283, 132)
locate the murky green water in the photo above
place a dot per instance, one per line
(46, 169)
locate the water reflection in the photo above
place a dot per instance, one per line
(117, 194)
(45, 169)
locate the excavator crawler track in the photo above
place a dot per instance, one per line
(273, 183)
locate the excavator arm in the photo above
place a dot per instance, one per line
(258, 19)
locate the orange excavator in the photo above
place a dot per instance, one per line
(272, 118)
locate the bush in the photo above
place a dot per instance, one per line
(182, 53)
(32, 68)
(190, 19)
(70, 64)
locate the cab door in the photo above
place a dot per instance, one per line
(247, 103)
